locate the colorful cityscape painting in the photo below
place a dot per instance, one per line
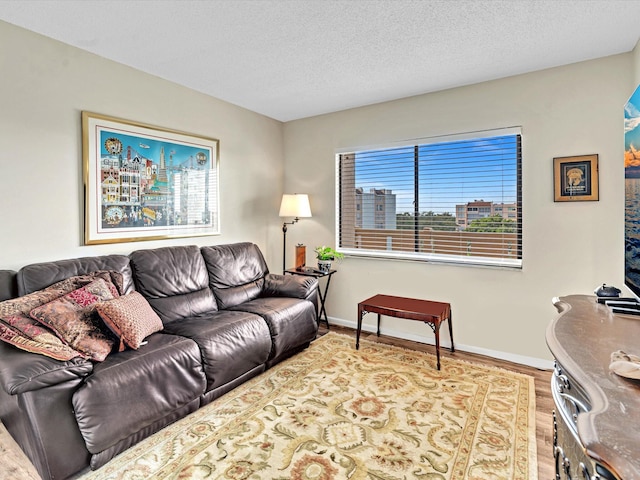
(143, 182)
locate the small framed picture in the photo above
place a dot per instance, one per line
(575, 178)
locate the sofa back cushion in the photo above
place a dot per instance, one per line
(236, 272)
(8, 285)
(174, 281)
(38, 276)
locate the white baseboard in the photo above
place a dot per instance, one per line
(534, 362)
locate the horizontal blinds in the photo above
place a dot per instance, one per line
(452, 200)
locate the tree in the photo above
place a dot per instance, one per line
(435, 221)
(494, 223)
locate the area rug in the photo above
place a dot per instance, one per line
(334, 412)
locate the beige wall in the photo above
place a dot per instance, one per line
(568, 247)
(44, 85)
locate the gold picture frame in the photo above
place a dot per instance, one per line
(575, 179)
(143, 182)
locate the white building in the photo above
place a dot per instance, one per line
(375, 209)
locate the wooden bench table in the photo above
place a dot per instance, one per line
(431, 313)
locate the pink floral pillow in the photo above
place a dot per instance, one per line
(74, 319)
(131, 318)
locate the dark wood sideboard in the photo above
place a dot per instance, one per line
(597, 413)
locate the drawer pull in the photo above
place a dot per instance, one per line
(579, 406)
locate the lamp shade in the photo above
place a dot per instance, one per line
(295, 205)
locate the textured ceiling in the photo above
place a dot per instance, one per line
(291, 59)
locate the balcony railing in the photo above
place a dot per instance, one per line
(479, 244)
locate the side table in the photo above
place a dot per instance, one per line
(427, 311)
(311, 272)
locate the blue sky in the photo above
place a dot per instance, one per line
(149, 147)
(632, 121)
(632, 136)
(450, 173)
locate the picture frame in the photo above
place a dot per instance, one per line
(575, 179)
(143, 182)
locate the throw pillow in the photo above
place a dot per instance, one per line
(74, 319)
(130, 318)
(39, 340)
(109, 276)
(20, 330)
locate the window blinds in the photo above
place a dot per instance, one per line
(443, 199)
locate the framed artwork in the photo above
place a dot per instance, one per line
(632, 192)
(143, 182)
(575, 178)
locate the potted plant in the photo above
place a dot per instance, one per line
(325, 256)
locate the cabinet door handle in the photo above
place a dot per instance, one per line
(563, 383)
(585, 472)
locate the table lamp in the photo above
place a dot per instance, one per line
(293, 205)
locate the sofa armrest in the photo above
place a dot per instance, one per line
(295, 286)
(22, 371)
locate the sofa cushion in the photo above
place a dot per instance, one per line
(231, 343)
(174, 281)
(236, 272)
(136, 388)
(74, 319)
(130, 318)
(40, 275)
(292, 322)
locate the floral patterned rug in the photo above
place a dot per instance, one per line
(332, 412)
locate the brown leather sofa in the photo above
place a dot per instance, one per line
(226, 319)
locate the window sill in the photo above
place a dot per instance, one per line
(455, 260)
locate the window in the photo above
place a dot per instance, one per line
(438, 199)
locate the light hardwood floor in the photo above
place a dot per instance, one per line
(542, 379)
(14, 464)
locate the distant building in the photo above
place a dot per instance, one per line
(375, 209)
(467, 213)
(191, 199)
